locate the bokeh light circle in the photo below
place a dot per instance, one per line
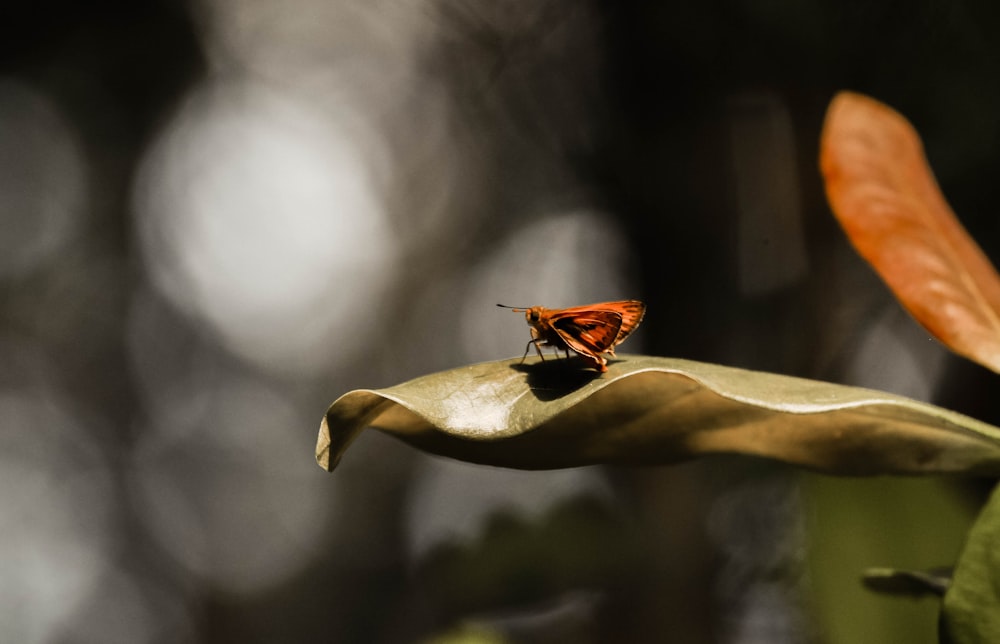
(261, 217)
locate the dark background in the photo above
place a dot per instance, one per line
(216, 217)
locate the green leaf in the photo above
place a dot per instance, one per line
(649, 410)
(971, 613)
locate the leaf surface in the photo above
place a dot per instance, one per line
(650, 410)
(884, 195)
(971, 612)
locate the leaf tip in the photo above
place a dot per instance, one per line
(323, 447)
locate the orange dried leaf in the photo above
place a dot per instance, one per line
(887, 200)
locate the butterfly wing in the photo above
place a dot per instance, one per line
(586, 330)
(632, 312)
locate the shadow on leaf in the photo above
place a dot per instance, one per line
(553, 379)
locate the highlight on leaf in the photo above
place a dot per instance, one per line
(885, 197)
(648, 410)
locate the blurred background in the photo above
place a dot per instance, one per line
(216, 216)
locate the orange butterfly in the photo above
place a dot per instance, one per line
(589, 330)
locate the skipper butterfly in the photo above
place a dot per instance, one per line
(589, 330)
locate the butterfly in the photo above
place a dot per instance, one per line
(590, 330)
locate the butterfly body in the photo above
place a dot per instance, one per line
(590, 330)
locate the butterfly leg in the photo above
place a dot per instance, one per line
(533, 341)
(599, 363)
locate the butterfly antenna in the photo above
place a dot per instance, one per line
(516, 309)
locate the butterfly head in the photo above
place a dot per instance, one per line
(532, 314)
